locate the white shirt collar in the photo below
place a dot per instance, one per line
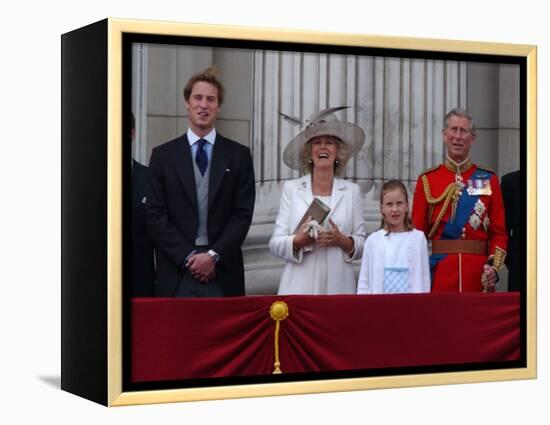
(192, 137)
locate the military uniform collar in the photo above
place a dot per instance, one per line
(457, 168)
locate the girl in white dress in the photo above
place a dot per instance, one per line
(395, 258)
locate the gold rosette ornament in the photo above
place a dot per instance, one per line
(278, 312)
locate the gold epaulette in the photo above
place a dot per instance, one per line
(482, 167)
(429, 170)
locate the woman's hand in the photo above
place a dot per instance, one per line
(302, 237)
(334, 237)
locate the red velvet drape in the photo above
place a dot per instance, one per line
(197, 338)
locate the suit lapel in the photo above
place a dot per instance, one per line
(184, 167)
(221, 156)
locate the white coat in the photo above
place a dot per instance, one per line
(318, 270)
(371, 276)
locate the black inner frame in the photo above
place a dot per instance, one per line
(129, 38)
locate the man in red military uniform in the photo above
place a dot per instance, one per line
(458, 205)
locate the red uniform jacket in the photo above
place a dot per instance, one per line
(478, 214)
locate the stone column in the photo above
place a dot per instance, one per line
(139, 100)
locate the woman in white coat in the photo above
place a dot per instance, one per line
(320, 263)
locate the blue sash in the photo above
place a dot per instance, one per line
(464, 209)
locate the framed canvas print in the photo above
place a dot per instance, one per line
(191, 152)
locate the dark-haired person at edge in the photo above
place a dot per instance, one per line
(458, 205)
(512, 207)
(200, 201)
(143, 252)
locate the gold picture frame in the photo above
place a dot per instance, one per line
(106, 39)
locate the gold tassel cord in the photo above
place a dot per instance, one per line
(278, 312)
(451, 193)
(277, 363)
(428, 193)
(439, 217)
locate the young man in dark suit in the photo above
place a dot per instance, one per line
(200, 200)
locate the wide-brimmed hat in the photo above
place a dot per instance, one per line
(323, 123)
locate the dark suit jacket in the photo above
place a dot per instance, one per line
(143, 269)
(511, 193)
(173, 213)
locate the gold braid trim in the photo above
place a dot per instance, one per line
(497, 260)
(448, 195)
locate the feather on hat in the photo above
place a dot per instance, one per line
(323, 123)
